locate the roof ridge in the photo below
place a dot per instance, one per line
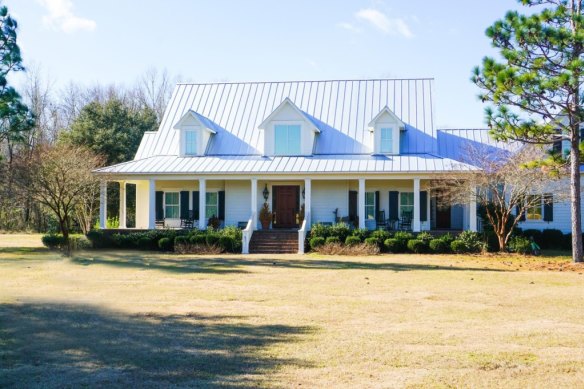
(462, 129)
(297, 81)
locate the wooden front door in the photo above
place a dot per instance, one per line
(443, 214)
(286, 204)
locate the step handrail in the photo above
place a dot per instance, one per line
(302, 233)
(246, 234)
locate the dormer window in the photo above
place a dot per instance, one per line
(190, 142)
(386, 135)
(287, 139)
(385, 130)
(289, 131)
(195, 133)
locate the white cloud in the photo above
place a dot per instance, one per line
(60, 16)
(348, 27)
(379, 20)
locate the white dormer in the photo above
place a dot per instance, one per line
(288, 131)
(195, 132)
(385, 130)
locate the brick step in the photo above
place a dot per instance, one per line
(273, 242)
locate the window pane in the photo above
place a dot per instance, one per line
(386, 140)
(211, 208)
(286, 139)
(171, 200)
(407, 204)
(190, 142)
(294, 140)
(535, 212)
(369, 205)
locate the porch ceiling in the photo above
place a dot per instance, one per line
(334, 164)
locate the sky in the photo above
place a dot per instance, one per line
(115, 41)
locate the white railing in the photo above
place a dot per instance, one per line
(246, 234)
(302, 233)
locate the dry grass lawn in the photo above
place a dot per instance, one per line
(134, 319)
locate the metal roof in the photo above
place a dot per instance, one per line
(341, 109)
(418, 163)
(456, 143)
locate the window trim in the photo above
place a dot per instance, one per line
(172, 205)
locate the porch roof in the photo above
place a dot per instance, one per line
(333, 164)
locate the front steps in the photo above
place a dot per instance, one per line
(274, 242)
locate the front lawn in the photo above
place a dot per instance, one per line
(132, 318)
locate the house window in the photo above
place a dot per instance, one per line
(171, 205)
(535, 211)
(212, 204)
(386, 140)
(190, 142)
(406, 204)
(287, 139)
(369, 205)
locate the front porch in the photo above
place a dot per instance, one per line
(296, 203)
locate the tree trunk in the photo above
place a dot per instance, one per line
(575, 196)
(502, 244)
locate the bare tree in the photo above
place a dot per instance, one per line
(504, 185)
(154, 89)
(60, 178)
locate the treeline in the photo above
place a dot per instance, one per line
(104, 123)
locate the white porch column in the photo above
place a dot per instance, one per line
(307, 201)
(254, 203)
(202, 203)
(151, 204)
(361, 203)
(472, 211)
(122, 204)
(103, 205)
(417, 225)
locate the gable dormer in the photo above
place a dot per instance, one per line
(385, 130)
(195, 133)
(288, 131)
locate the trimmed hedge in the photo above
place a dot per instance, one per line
(439, 246)
(316, 242)
(332, 239)
(352, 240)
(417, 246)
(57, 242)
(458, 247)
(394, 245)
(551, 239)
(53, 241)
(372, 241)
(166, 244)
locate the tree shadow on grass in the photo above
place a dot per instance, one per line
(66, 345)
(235, 264)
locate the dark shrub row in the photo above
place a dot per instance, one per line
(227, 239)
(56, 241)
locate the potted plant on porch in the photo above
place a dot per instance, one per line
(265, 216)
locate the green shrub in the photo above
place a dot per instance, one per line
(458, 247)
(551, 239)
(352, 240)
(372, 241)
(535, 234)
(181, 240)
(520, 245)
(165, 244)
(394, 245)
(472, 242)
(403, 236)
(227, 243)
(200, 239)
(212, 238)
(362, 233)
(53, 241)
(439, 246)
(99, 240)
(320, 230)
(417, 246)
(425, 237)
(447, 238)
(381, 236)
(79, 242)
(340, 230)
(567, 242)
(316, 242)
(491, 240)
(145, 243)
(332, 239)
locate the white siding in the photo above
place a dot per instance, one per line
(237, 202)
(326, 197)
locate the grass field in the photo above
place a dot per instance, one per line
(135, 319)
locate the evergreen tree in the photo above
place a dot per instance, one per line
(536, 87)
